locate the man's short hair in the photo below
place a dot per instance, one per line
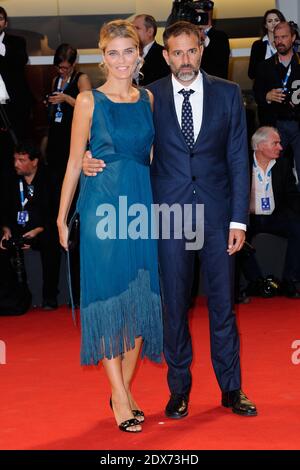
(149, 22)
(181, 27)
(29, 148)
(290, 25)
(3, 13)
(261, 135)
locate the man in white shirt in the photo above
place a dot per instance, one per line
(14, 92)
(274, 208)
(154, 66)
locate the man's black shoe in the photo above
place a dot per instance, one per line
(177, 406)
(239, 403)
(49, 304)
(289, 289)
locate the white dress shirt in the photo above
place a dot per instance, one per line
(3, 91)
(271, 50)
(262, 189)
(2, 46)
(196, 100)
(147, 48)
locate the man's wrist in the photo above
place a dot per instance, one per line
(238, 226)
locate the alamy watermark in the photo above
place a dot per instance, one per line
(162, 221)
(2, 352)
(295, 98)
(296, 354)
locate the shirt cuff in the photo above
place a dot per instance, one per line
(2, 49)
(237, 225)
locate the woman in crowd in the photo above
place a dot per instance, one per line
(65, 87)
(120, 297)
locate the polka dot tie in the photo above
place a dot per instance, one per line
(187, 125)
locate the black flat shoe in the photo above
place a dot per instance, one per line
(177, 406)
(239, 403)
(129, 424)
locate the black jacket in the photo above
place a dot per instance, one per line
(270, 74)
(155, 66)
(12, 69)
(215, 59)
(286, 195)
(41, 206)
(258, 54)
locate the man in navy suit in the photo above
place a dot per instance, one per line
(200, 157)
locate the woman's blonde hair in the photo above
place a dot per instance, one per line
(117, 29)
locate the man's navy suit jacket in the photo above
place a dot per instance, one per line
(216, 172)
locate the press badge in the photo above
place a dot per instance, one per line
(22, 217)
(265, 204)
(58, 116)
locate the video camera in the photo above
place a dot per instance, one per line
(195, 12)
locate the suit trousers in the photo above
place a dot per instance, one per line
(176, 267)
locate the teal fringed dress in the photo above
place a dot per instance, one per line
(120, 295)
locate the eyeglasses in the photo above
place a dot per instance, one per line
(2, 18)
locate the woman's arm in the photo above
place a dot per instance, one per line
(79, 137)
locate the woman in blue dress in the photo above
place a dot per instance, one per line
(120, 306)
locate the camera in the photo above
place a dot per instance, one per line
(16, 243)
(288, 96)
(50, 106)
(195, 12)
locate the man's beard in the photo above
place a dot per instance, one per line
(284, 51)
(185, 76)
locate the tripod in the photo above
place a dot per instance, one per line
(6, 125)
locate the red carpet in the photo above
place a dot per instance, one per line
(49, 402)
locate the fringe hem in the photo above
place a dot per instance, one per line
(110, 327)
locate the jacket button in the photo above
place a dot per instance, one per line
(193, 178)
(192, 155)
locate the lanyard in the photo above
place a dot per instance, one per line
(286, 79)
(61, 90)
(260, 178)
(23, 200)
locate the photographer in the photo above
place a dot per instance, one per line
(29, 219)
(215, 59)
(275, 88)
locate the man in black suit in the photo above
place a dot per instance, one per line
(215, 60)
(155, 66)
(14, 91)
(274, 207)
(274, 88)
